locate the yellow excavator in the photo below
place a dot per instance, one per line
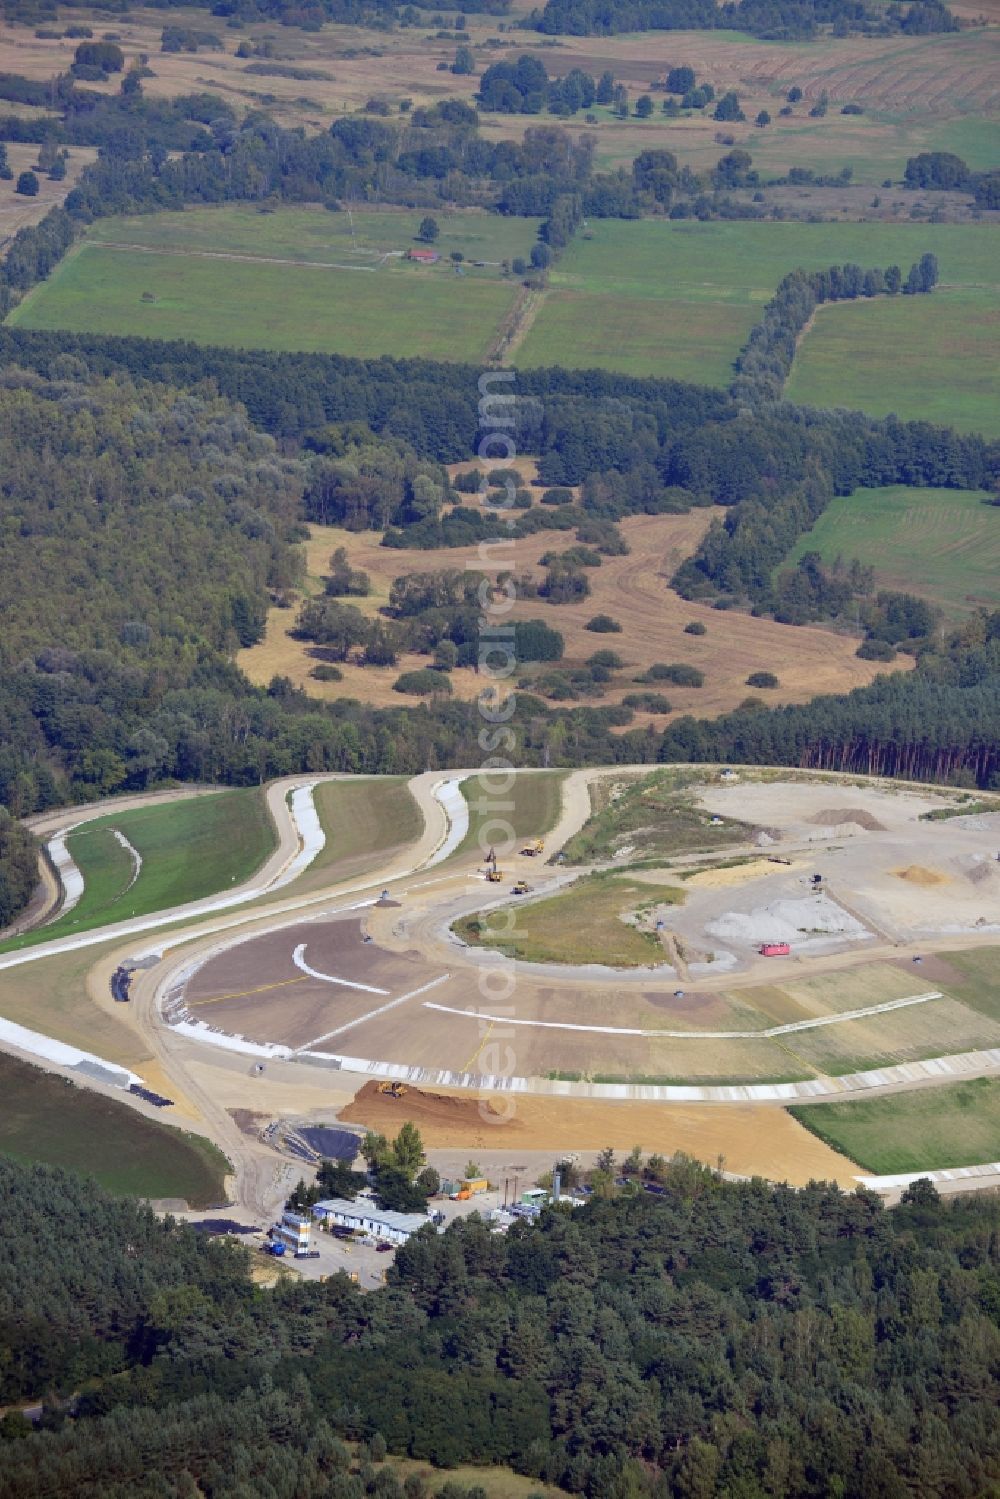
(394, 1090)
(532, 850)
(493, 874)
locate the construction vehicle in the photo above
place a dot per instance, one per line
(532, 850)
(521, 888)
(276, 1248)
(494, 875)
(394, 1090)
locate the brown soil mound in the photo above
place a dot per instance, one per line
(916, 874)
(436, 1115)
(838, 815)
(248, 1122)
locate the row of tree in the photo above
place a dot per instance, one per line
(765, 361)
(782, 20)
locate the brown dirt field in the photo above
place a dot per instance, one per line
(752, 1140)
(633, 589)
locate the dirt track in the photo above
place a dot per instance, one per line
(208, 1084)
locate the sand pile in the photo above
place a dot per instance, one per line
(438, 1116)
(792, 921)
(916, 874)
(838, 817)
(736, 874)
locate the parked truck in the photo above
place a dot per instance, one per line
(774, 949)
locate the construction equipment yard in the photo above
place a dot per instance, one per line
(296, 998)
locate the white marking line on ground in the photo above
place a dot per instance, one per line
(777, 1030)
(373, 1014)
(298, 958)
(133, 854)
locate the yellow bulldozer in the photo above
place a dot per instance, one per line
(532, 850)
(394, 1090)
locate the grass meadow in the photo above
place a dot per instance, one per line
(943, 544)
(582, 924)
(678, 299)
(297, 279)
(532, 806)
(48, 1121)
(189, 849)
(920, 358)
(956, 1124)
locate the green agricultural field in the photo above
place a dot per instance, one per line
(655, 297)
(943, 544)
(921, 358)
(314, 236)
(531, 807)
(957, 1124)
(189, 849)
(47, 1121)
(293, 280)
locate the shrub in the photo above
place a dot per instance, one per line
(534, 640)
(103, 55)
(677, 672)
(647, 702)
(27, 185)
(608, 659)
(325, 673)
(762, 679)
(876, 650)
(603, 624)
(422, 683)
(558, 496)
(695, 628)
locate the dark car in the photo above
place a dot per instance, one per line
(384, 1248)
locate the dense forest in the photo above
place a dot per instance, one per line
(729, 1338)
(18, 867)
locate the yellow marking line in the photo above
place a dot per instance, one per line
(475, 1054)
(243, 994)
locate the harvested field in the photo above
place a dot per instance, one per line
(751, 1140)
(17, 212)
(633, 589)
